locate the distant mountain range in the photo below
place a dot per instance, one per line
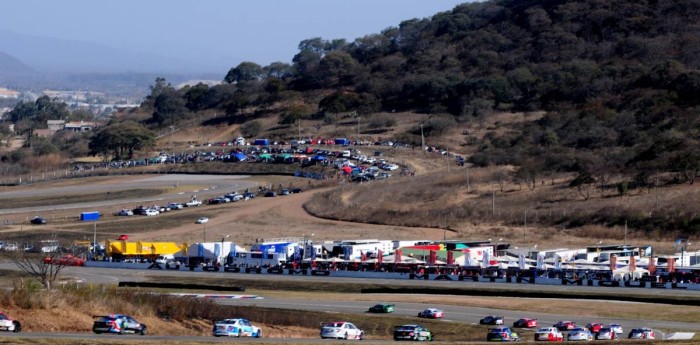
(31, 62)
(10, 65)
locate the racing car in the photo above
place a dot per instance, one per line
(412, 332)
(341, 330)
(492, 320)
(8, 324)
(381, 308)
(236, 328)
(502, 334)
(431, 313)
(119, 324)
(525, 323)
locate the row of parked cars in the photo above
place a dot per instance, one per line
(593, 330)
(156, 209)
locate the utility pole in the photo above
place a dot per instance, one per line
(422, 138)
(493, 200)
(468, 185)
(656, 187)
(94, 240)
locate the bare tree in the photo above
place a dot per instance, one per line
(500, 176)
(44, 266)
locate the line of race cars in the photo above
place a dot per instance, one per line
(238, 327)
(593, 330)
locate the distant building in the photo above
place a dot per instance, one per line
(56, 125)
(43, 133)
(7, 93)
(79, 126)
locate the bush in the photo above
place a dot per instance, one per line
(251, 129)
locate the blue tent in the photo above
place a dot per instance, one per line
(319, 158)
(239, 157)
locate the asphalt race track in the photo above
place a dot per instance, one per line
(407, 309)
(216, 185)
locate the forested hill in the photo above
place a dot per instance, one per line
(618, 80)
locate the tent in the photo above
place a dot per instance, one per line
(240, 157)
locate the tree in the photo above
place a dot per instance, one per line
(251, 129)
(528, 173)
(583, 183)
(500, 177)
(197, 97)
(244, 72)
(43, 267)
(168, 108)
(121, 139)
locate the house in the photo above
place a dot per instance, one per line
(79, 126)
(56, 125)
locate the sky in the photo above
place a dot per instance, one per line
(262, 31)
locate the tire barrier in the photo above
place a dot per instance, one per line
(468, 278)
(180, 286)
(275, 270)
(638, 284)
(443, 277)
(232, 269)
(293, 271)
(253, 270)
(320, 273)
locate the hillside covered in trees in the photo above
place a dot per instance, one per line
(618, 80)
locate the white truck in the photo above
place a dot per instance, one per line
(193, 202)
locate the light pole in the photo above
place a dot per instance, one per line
(422, 138)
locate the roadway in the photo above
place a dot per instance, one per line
(407, 309)
(215, 185)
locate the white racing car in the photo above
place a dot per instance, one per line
(236, 328)
(8, 324)
(341, 330)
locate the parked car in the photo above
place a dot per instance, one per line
(193, 203)
(412, 332)
(151, 212)
(285, 192)
(502, 334)
(296, 190)
(175, 206)
(38, 221)
(140, 210)
(525, 323)
(270, 194)
(432, 313)
(492, 320)
(123, 238)
(236, 328)
(202, 220)
(617, 329)
(118, 323)
(235, 197)
(9, 324)
(65, 260)
(382, 308)
(249, 195)
(549, 334)
(594, 327)
(124, 212)
(606, 333)
(341, 330)
(642, 333)
(577, 334)
(565, 325)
